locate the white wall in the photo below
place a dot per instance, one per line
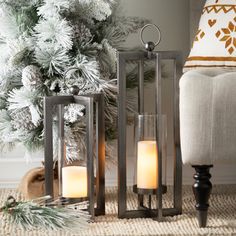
(13, 165)
(174, 19)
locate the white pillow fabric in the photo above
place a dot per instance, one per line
(215, 41)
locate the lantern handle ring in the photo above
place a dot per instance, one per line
(147, 44)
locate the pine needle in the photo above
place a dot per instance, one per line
(34, 214)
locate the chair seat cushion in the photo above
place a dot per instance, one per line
(208, 117)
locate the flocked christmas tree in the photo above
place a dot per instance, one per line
(46, 47)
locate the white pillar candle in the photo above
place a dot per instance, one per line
(147, 160)
(74, 181)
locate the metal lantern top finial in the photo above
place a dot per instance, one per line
(74, 90)
(150, 46)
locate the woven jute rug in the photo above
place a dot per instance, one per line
(221, 221)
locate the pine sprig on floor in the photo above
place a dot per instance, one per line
(34, 214)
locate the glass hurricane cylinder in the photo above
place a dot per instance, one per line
(146, 167)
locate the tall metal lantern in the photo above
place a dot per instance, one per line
(77, 183)
(154, 126)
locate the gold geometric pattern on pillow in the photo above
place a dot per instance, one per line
(211, 22)
(215, 41)
(200, 34)
(218, 8)
(228, 36)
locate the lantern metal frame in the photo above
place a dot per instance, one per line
(140, 57)
(88, 101)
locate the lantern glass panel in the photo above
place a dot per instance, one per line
(72, 164)
(146, 161)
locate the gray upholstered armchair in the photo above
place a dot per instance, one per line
(207, 127)
(208, 98)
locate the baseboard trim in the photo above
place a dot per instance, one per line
(13, 169)
(113, 182)
(9, 184)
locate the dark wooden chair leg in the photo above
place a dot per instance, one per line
(202, 190)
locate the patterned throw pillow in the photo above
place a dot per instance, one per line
(215, 41)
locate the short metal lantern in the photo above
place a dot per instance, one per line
(151, 137)
(77, 183)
